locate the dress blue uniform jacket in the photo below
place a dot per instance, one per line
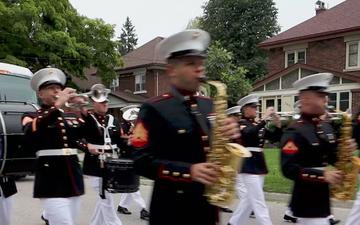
(51, 128)
(307, 146)
(254, 134)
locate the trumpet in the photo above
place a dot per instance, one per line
(98, 93)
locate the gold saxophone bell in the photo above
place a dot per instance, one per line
(98, 93)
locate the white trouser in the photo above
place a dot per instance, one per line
(104, 212)
(253, 199)
(126, 198)
(5, 209)
(61, 211)
(354, 216)
(313, 221)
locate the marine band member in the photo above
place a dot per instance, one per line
(171, 144)
(54, 135)
(103, 139)
(251, 176)
(307, 147)
(7, 190)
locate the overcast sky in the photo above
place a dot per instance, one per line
(153, 18)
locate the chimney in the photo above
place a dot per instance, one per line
(320, 7)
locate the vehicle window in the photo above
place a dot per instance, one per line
(16, 88)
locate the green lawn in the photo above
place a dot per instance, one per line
(274, 180)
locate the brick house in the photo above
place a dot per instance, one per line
(118, 98)
(143, 73)
(327, 42)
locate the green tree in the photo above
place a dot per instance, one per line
(128, 38)
(240, 25)
(38, 33)
(219, 66)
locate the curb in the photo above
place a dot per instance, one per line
(280, 197)
(275, 197)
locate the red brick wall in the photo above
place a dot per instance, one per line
(276, 60)
(329, 53)
(127, 82)
(355, 101)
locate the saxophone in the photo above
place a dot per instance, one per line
(228, 156)
(347, 163)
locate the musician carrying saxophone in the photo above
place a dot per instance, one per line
(171, 137)
(308, 146)
(54, 134)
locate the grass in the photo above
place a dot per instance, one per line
(274, 180)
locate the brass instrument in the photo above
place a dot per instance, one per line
(223, 153)
(98, 92)
(347, 163)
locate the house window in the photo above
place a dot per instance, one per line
(140, 79)
(296, 56)
(344, 101)
(339, 100)
(289, 79)
(352, 55)
(273, 85)
(279, 104)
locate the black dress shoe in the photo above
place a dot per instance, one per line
(226, 210)
(123, 210)
(334, 221)
(291, 219)
(144, 215)
(45, 220)
(252, 214)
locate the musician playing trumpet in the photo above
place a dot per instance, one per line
(54, 135)
(252, 174)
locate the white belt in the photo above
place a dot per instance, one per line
(105, 147)
(254, 149)
(57, 152)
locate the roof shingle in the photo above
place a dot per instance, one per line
(342, 18)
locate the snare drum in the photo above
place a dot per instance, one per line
(120, 176)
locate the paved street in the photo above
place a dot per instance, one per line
(27, 210)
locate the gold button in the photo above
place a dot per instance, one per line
(193, 105)
(176, 174)
(179, 191)
(182, 131)
(62, 124)
(312, 176)
(321, 178)
(40, 117)
(63, 131)
(66, 145)
(204, 138)
(60, 118)
(186, 175)
(46, 112)
(305, 175)
(165, 172)
(207, 149)
(65, 138)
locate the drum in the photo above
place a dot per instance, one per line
(16, 157)
(120, 176)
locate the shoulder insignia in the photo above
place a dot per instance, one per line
(290, 148)
(140, 135)
(160, 97)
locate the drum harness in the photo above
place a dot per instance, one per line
(107, 146)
